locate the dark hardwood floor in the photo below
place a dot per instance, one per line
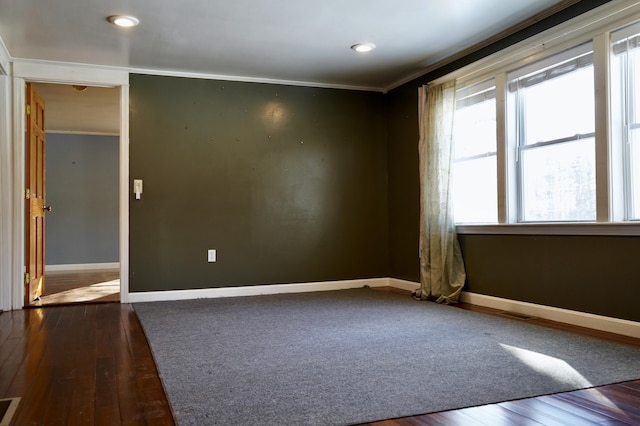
(91, 364)
(80, 365)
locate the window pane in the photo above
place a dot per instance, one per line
(558, 182)
(474, 180)
(475, 129)
(625, 90)
(475, 190)
(553, 105)
(559, 107)
(634, 74)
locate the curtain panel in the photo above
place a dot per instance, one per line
(442, 273)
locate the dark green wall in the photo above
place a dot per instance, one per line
(289, 184)
(596, 274)
(404, 185)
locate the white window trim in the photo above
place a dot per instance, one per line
(594, 26)
(557, 228)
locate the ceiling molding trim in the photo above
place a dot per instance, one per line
(34, 70)
(581, 29)
(107, 76)
(502, 35)
(206, 76)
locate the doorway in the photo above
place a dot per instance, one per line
(13, 182)
(82, 259)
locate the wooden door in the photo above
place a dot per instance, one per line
(35, 196)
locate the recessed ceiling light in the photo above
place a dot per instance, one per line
(123, 20)
(363, 47)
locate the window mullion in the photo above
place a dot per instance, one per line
(519, 140)
(604, 200)
(629, 127)
(502, 154)
(573, 138)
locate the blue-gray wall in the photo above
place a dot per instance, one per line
(82, 188)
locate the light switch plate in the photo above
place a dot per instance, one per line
(211, 255)
(137, 188)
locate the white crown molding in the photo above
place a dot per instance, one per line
(620, 11)
(33, 70)
(244, 79)
(37, 70)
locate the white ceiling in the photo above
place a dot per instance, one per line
(299, 41)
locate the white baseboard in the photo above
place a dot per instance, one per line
(257, 290)
(403, 284)
(85, 267)
(582, 319)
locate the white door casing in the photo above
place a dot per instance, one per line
(12, 247)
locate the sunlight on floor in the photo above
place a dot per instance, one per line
(84, 294)
(555, 368)
(606, 402)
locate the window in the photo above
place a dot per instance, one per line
(625, 105)
(547, 132)
(552, 123)
(474, 169)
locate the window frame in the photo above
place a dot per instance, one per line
(628, 122)
(594, 26)
(517, 110)
(471, 91)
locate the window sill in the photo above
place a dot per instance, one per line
(590, 228)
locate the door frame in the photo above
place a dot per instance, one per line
(6, 164)
(63, 73)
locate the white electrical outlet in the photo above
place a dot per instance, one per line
(211, 255)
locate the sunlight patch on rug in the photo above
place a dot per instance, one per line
(552, 367)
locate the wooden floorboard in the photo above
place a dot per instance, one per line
(80, 365)
(62, 288)
(90, 364)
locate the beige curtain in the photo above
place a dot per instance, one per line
(442, 273)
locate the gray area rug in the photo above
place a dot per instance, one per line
(354, 356)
